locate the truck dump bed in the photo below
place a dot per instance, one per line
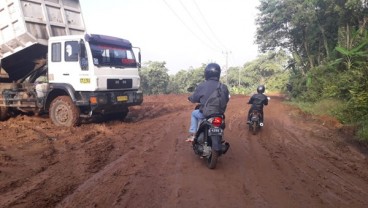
(26, 25)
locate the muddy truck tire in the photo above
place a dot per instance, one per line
(3, 113)
(63, 112)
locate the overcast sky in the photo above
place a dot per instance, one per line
(183, 33)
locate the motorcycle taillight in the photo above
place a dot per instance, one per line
(217, 121)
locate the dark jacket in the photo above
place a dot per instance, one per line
(204, 90)
(258, 101)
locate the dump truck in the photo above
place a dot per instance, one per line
(51, 66)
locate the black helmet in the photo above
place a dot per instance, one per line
(212, 70)
(261, 89)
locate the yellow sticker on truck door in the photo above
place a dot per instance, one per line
(85, 80)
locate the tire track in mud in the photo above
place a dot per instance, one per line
(299, 169)
(300, 156)
(162, 167)
(148, 154)
(145, 162)
(172, 172)
(259, 186)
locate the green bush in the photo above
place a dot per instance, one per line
(341, 110)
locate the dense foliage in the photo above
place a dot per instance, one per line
(328, 41)
(154, 78)
(268, 69)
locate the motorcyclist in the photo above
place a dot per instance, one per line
(200, 95)
(258, 101)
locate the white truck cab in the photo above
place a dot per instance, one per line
(55, 67)
(93, 62)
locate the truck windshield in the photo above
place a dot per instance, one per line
(113, 56)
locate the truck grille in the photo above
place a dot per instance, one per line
(119, 83)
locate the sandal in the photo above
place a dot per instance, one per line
(190, 138)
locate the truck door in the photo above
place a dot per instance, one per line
(86, 80)
(69, 64)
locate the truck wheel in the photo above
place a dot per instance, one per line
(63, 112)
(3, 113)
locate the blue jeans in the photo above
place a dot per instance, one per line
(196, 117)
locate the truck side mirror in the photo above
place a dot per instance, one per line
(139, 62)
(139, 59)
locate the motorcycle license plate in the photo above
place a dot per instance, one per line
(215, 131)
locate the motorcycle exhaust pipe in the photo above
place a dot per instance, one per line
(225, 147)
(261, 124)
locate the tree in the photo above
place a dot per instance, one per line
(329, 43)
(268, 69)
(155, 78)
(306, 28)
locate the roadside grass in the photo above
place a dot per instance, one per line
(336, 109)
(363, 130)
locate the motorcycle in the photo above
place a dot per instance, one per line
(208, 142)
(256, 122)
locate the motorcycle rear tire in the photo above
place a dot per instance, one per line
(212, 160)
(254, 128)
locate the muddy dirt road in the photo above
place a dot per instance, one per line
(296, 161)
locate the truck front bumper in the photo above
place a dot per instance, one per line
(109, 102)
